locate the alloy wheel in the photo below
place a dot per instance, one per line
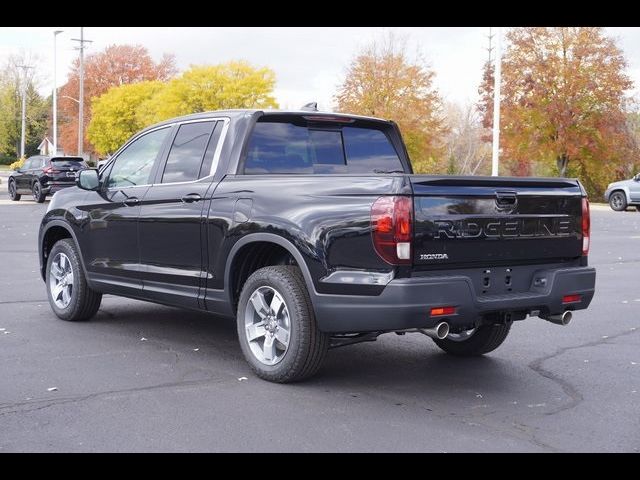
(267, 325)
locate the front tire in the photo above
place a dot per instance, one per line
(13, 191)
(618, 201)
(69, 295)
(481, 340)
(38, 195)
(277, 328)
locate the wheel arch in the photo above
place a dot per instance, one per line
(264, 238)
(624, 190)
(57, 230)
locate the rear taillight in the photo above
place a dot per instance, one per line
(50, 170)
(586, 226)
(391, 219)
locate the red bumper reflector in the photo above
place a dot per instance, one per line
(439, 311)
(571, 298)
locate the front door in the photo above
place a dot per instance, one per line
(111, 244)
(171, 216)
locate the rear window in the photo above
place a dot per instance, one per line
(68, 162)
(288, 148)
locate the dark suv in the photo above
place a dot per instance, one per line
(42, 175)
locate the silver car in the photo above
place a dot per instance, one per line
(622, 194)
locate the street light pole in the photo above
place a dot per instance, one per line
(496, 104)
(55, 95)
(23, 88)
(81, 101)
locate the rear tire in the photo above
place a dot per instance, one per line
(13, 191)
(618, 201)
(277, 328)
(38, 195)
(64, 270)
(484, 339)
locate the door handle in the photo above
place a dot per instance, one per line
(132, 201)
(191, 198)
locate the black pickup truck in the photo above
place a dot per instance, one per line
(311, 230)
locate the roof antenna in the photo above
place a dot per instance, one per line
(310, 107)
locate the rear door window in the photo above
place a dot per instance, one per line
(185, 160)
(288, 148)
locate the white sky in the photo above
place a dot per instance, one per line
(309, 62)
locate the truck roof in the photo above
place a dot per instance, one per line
(238, 113)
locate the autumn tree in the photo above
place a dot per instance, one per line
(115, 114)
(235, 84)
(116, 65)
(383, 81)
(563, 104)
(37, 109)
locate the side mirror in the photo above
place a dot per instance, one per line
(637, 177)
(88, 179)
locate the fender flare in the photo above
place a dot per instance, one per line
(272, 238)
(67, 227)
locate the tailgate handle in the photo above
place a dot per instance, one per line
(506, 200)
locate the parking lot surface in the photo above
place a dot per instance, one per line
(143, 377)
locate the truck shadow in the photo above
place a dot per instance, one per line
(411, 363)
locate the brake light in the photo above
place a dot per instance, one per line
(586, 226)
(391, 219)
(439, 311)
(50, 170)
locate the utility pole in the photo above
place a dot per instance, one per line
(23, 88)
(82, 41)
(490, 49)
(496, 105)
(55, 95)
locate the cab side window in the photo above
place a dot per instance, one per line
(134, 164)
(193, 143)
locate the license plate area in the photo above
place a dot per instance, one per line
(502, 280)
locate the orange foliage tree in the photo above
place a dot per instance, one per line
(563, 105)
(116, 65)
(383, 82)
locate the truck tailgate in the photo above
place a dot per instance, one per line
(462, 221)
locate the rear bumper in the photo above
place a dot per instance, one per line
(406, 303)
(53, 187)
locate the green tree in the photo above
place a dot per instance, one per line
(235, 84)
(115, 114)
(37, 112)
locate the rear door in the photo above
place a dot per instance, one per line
(25, 179)
(467, 221)
(171, 215)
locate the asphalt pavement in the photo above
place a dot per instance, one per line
(143, 377)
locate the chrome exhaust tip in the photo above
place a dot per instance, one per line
(564, 319)
(440, 331)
